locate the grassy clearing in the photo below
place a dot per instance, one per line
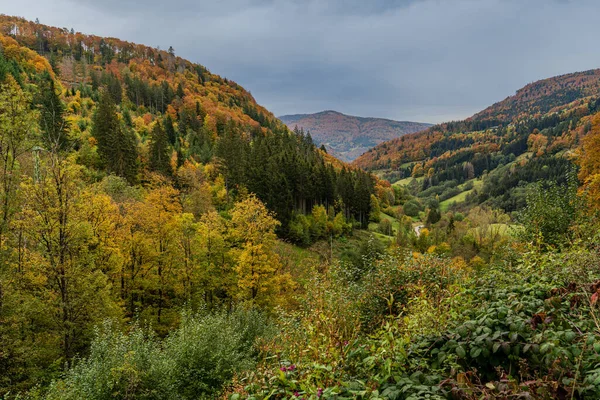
(462, 196)
(374, 226)
(406, 181)
(459, 198)
(524, 156)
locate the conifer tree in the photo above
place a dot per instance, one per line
(170, 130)
(52, 121)
(180, 92)
(159, 151)
(232, 150)
(117, 147)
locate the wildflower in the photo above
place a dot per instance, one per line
(319, 392)
(296, 394)
(282, 369)
(346, 343)
(291, 367)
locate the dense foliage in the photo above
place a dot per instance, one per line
(134, 185)
(193, 362)
(147, 208)
(131, 108)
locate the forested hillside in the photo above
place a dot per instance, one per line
(162, 236)
(136, 183)
(514, 143)
(346, 136)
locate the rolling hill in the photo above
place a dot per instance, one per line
(526, 137)
(346, 136)
(209, 119)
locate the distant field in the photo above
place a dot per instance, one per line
(406, 181)
(462, 196)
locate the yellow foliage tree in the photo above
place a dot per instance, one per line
(589, 161)
(259, 278)
(64, 255)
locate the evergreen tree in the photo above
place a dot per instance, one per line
(117, 147)
(113, 85)
(232, 150)
(159, 151)
(170, 130)
(52, 121)
(54, 63)
(180, 92)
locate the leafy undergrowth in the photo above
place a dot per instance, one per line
(528, 331)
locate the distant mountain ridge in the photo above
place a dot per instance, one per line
(348, 136)
(501, 125)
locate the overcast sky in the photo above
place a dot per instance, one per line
(420, 60)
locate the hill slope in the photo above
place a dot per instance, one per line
(208, 119)
(349, 136)
(135, 183)
(526, 137)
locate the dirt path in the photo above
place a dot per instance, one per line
(418, 229)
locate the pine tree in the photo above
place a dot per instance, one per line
(232, 150)
(114, 87)
(52, 121)
(170, 130)
(159, 151)
(117, 148)
(180, 92)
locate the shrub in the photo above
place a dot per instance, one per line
(385, 227)
(299, 230)
(193, 362)
(412, 208)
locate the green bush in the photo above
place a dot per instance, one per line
(551, 210)
(299, 230)
(385, 227)
(193, 362)
(513, 331)
(412, 208)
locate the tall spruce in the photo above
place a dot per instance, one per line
(159, 150)
(117, 147)
(232, 150)
(55, 132)
(170, 130)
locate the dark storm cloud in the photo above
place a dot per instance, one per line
(428, 60)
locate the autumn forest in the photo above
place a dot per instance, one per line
(163, 236)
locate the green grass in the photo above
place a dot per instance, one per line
(462, 196)
(374, 226)
(406, 181)
(293, 254)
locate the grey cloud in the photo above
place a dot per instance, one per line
(428, 60)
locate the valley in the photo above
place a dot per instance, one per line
(165, 236)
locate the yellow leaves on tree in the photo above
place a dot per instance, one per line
(257, 264)
(31, 61)
(152, 246)
(66, 232)
(589, 161)
(18, 124)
